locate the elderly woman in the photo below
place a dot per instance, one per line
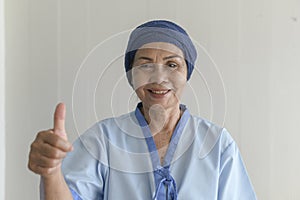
(159, 151)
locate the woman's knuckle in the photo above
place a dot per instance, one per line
(29, 165)
(34, 145)
(40, 134)
(55, 141)
(54, 154)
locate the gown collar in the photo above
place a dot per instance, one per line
(162, 176)
(174, 139)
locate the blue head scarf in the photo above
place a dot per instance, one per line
(161, 31)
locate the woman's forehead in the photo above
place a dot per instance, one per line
(161, 47)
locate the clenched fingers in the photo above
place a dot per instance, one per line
(47, 152)
(54, 140)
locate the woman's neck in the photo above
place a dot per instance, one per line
(161, 120)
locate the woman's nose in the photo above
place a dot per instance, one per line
(159, 74)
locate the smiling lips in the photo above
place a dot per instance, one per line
(159, 92)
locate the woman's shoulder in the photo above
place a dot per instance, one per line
(124, 123)
(210, 134)
(204, 124)
(112, 127)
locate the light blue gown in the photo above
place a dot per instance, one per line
(117, 159)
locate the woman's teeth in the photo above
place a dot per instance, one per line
(159, 91)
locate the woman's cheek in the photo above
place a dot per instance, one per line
(178, 81)
(139, 79)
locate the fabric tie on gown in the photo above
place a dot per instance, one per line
(166, 188)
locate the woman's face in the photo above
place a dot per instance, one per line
(159, 74)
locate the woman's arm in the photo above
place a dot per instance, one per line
(234, 182)
(55, 187)
(46, 154)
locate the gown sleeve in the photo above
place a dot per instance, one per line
(234, 183)
(82, 168)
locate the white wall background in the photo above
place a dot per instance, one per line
(255, 44)
(2, 93)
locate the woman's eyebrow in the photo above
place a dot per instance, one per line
(144, 58)
(165, 58)
(172, 56)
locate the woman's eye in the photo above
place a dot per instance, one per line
(146, 65)
(172, 65)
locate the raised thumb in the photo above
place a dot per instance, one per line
(59, 120)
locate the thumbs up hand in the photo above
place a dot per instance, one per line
(59, 121)
(50, 146)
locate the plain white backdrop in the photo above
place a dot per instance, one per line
(2, 104)
(254, 44)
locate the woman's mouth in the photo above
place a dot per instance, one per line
(158, 93)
